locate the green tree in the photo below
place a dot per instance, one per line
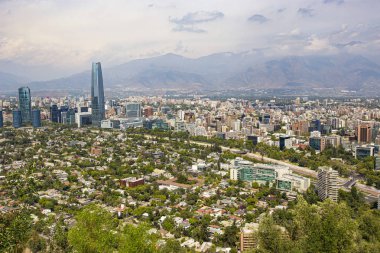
(15, 230)
(271, 238)
(137, 239)
(94, 231)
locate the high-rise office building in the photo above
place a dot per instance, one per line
(327, 183)
(1, 119)
(54, 113)
(133, 110)
(17, 119)
(25, 104)
(97, 95)
(364, 133)
(285, 142)
(36, 118)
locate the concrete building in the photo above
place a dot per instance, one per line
(291, 182)
(327, 183)
(248, 240)
(364, 133)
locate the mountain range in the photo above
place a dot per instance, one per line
(223, 71)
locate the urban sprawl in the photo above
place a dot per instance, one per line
(188, 174)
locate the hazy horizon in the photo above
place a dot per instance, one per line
(51, 39)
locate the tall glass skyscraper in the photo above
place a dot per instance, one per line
(25, 104)
(17, 119)
(97, 94)
(1, 118)
(36, 118)
(54, 113)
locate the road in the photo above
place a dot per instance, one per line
(372, 191)
(300, 170)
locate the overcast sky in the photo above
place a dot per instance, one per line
(65, 36)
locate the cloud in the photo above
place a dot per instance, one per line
(192, 29)
(257, 18)
(349, 44)
(197, 17)
(333, 1)
(318, 44)
(306, 12)
(187, 23)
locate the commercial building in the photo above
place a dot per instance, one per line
(83, 118)
(377, 162)
(110, 124)
(133, 110)
(364, 151)
(285, 142)
(317, 143)
(260, 173)
(17, 119)
(68, 117)
(36, 118)
(97, 95)
(1, 119)
(54, 113)
(291, 182)
(180, 126)
(25, 104)
(327, 183)
(364, 133)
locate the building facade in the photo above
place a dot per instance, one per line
(36, 118)
(1, 119)
(133, 110)
(327, 183)
(54, 113)
(25, 104)
(17, 119)
(97, 95)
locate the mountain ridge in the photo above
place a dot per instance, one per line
(229, 71)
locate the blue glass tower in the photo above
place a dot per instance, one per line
(97, 95)
(25, 104)
(54, 113)
(1, 119)
(36, 118)
(17, 119)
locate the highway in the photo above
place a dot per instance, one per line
(372, 192)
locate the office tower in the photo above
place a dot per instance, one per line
(265, 119)
(17, 119)
(364, 133)
(133, 110)
(253, 138)
(25, 104)
(97, 95)
(1, 119)
(68, 117)
(62, 109)
(54, 113)
(315, 125)
(36, 118)
(285, 142)
(317, 143)
(327, 183)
